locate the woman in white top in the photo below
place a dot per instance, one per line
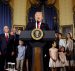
(53, 52)
(69, 49)
(61, 41)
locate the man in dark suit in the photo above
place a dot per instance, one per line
(38, 22)
(16, 42)
(43, 26)
(6, 48)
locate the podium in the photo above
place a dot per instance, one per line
(37, 58)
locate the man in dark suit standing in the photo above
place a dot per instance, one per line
(43, 26)
(38, 22)
(16, 42)
(6, 48)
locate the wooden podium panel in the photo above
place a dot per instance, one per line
(37, 63)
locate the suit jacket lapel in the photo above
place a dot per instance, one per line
(41, 26)
(5, 37)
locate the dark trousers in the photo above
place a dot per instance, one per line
(45, 64)
(4, 59)
(2, 62)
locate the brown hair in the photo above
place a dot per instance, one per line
(70, 35)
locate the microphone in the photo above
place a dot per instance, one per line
(36, 24)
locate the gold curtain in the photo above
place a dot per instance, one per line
(37, 2)
(49, 2)
(34, 2)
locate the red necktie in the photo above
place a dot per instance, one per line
(39, 25)
(6, 38)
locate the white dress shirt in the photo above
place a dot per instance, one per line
(7, 34)
(62, 42)
(37, 24)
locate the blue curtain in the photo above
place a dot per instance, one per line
(51, 17)
(5, 16)
(50, 12)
